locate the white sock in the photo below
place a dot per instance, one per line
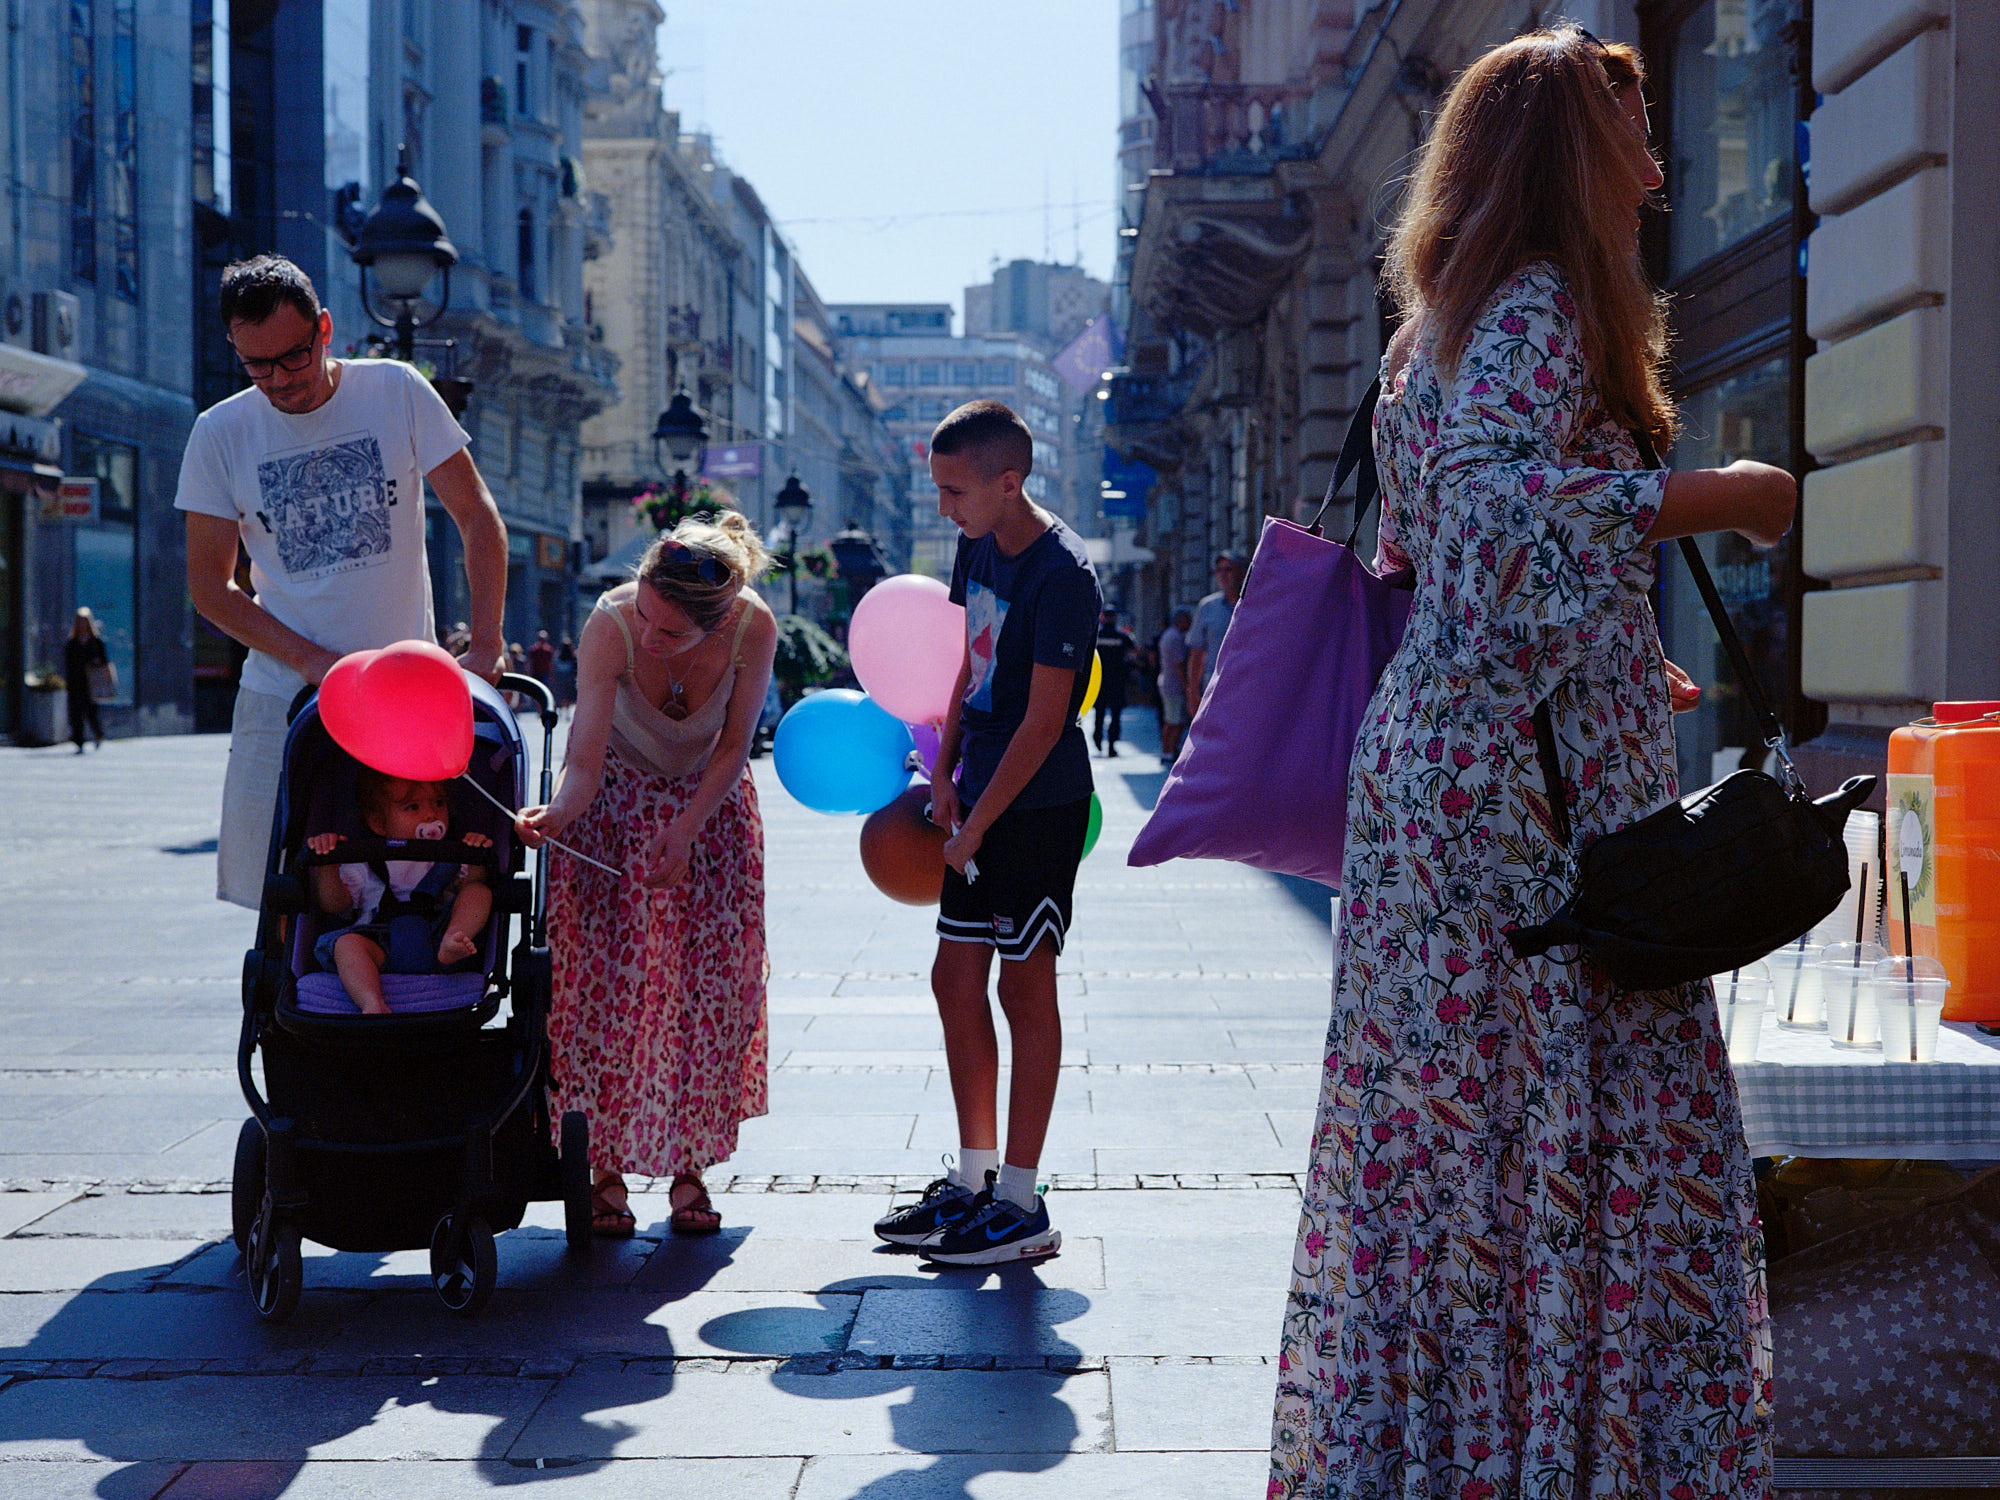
(1017, 1185)
(973, 1165)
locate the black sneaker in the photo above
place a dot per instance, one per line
(997, 1230)
(943, 1204)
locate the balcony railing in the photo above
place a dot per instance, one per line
(1201, 123)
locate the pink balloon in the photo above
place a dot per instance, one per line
(926, 736)
(907, 642)
(405, 710)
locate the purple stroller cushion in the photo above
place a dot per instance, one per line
(407, 994)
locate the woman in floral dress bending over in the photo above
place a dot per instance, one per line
(657, 1031)
(1529, 1262)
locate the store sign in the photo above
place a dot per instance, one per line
(744, 461)
(74, 501)
(550, 553)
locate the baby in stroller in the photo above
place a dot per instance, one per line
(400, 916)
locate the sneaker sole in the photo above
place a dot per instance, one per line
(910, 1240)
(1032, 1248)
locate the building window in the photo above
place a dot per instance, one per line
(209, 55)
(82, 141)
(997, 372)
(895, 375)
(524, 61)
(929, 375)
(525, 253)
(125, 151)
(105, 572)
(964, 372)
(1731, 69)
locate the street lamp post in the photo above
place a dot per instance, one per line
(794, 506)
(680, 433)
(403, 238)
(859, 560)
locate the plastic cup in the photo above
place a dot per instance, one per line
(1741, 998)
(1909, 996)
(1795, 990)
(1846, 971)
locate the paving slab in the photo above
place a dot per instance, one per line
(611, 1479)
(133, 1216)
(86, 1479)
(742, 1261)
(1186, 1407)
(53, 1265)
(754, 1410)
(1101, 1476)
(1050, 1321)
(21, 1212)
(269, 1417)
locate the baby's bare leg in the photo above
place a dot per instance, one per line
(469, 911)
(359, 961)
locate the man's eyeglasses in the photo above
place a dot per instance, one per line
(291, 361)
(706, 566)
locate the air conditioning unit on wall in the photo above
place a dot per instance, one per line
(15, 326)
(57, 324)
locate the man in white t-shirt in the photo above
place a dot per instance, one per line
(1211, 619)
(318, 471)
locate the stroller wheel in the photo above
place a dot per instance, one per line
(575, 1167)
(246, 1184)
(277, 1271)
(464, 1274)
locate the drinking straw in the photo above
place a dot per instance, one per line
(1798, 966)
(1854, 979)
(1732, 985)
(1910, 958)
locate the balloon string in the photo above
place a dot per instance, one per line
(553, 843)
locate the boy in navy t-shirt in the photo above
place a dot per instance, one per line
(1017, 812)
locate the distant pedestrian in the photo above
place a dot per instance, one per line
(1115, 648)
(86, 665)
(1012, 788)
(318, 473)
(658, 1030)
(565, 673)
(1211, 620)
(1172, 683)
(542, 658)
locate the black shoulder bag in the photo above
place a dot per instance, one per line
(1713, 881)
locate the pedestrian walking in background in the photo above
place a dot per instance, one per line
(565, 673)
(318, 472)
(1211, 621)
(86, 667)
(658, 1029)
(1115, 648)
(542, 659)
(1529, 1261)
(1173, 683)
(1012, 787)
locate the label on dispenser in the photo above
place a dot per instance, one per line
(1912, 837)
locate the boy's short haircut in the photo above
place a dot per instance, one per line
(990, 433)
(254, 289)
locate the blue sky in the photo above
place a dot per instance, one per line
(906, 145)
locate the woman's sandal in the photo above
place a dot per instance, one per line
(698, 1215)
(611, 1220)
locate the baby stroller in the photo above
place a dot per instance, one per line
(428, 1126)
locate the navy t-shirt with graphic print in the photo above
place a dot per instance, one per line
(1038, 608)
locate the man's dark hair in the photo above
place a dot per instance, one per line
(254, 289)
(990, 433)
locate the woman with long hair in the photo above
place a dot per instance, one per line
(1529, 1261)
(658, 1029)
(83, 654)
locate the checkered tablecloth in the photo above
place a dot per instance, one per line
(1803, 1096)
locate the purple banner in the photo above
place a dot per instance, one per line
(743, 461)
(1089, 355)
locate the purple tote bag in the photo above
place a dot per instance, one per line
(1262, 778)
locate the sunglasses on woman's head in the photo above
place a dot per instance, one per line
(706, 566)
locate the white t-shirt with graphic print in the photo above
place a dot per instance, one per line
(330, 504)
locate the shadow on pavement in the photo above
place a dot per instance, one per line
(995, 1411)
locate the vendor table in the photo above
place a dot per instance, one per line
(1803, 1096)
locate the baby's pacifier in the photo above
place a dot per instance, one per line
(434, 832)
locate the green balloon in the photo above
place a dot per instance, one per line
(1094, 827)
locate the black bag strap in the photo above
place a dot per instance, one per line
(1357, 457)
(1739, 659)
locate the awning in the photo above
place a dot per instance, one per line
(616, 566)
(34, 383)
(21, 475)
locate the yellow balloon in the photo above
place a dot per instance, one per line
(1096, 682)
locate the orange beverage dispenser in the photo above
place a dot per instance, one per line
(1943, 832)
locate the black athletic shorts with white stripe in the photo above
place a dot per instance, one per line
(1027, 872)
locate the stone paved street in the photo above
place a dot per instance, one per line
(792, 1356)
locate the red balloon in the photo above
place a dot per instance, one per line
(903, 851)
(405, 710)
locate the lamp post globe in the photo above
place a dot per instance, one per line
(404, 239)
(679, 433)
(794, 506)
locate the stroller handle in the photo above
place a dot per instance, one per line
(535, 688)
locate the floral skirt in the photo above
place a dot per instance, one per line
(658, 1030)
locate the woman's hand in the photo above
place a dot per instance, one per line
(667, 857)
(534, 824)
(1683, 692)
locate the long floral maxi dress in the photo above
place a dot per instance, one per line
(658, 1030)
(1529, 1262)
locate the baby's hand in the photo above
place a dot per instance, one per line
(477, 841)
(323, 843)
(456, 947)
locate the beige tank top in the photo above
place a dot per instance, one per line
(655, 741)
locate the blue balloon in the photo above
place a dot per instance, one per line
(839, 752)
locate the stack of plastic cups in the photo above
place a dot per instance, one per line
(1862, 835)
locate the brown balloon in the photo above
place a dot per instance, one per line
(903, 852)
